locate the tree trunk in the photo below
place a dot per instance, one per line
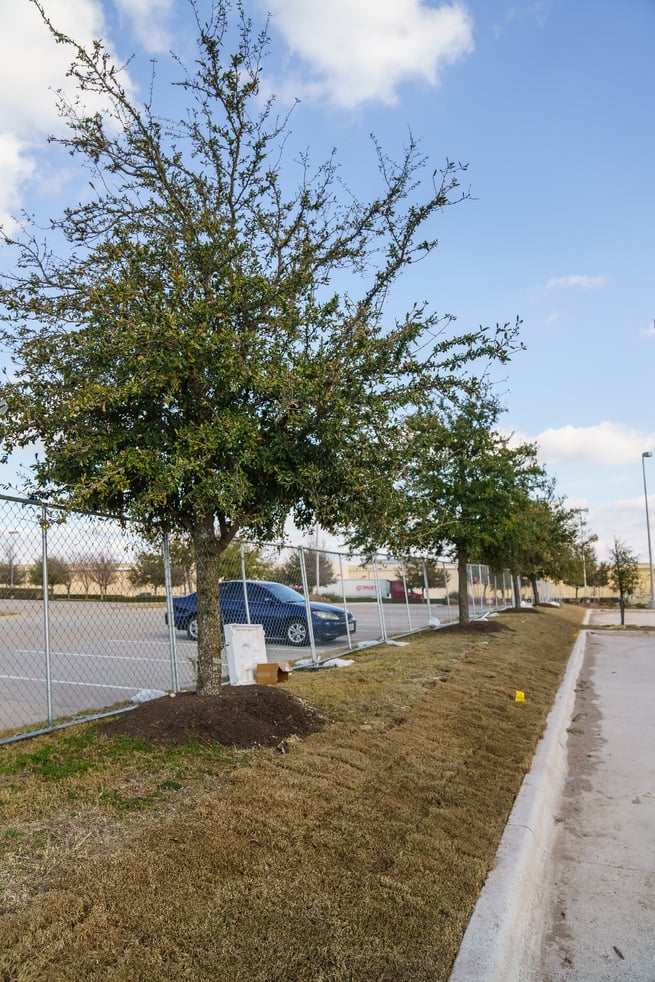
(208, 548)
(622, 607)
(535, 589)
(463, 590)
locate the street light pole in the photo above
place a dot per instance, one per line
(651, 603)
(582, 545)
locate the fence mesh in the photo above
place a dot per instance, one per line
(92, 615)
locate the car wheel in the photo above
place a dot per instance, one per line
(192, 629)
(296, 633)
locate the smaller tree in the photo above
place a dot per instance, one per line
(103, 572)
(257, 566)
(319, 569)
(181, 553)
(11, 574)
(599, 576)
(624, 573)
(83, 573)
(59, 572)
(417, 571)
(99, 569)
(579, 564)
(149, 571)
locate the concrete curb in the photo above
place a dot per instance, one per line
(503, 937)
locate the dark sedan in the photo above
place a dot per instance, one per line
(279, 609)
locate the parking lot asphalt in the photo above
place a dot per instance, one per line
(572, 893)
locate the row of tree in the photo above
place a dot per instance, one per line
(148, 570)
(211, 338)
(99, 571)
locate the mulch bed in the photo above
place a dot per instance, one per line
(240, 716)
(476, 627)
(520, 610)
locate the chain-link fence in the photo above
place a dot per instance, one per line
(92, 615)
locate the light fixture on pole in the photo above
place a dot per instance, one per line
(651, 603)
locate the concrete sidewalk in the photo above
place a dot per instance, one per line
(572, 893)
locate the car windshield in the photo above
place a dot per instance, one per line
(284, 593)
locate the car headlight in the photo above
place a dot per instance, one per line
(325, 615)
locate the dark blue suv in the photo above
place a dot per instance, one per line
(279, 609)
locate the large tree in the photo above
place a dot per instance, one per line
(182, 353)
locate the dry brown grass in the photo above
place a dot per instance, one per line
(358, 855)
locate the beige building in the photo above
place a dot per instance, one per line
(561, 591)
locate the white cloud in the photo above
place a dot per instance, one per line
(15, 167)
(360, 51)
(601, 469)
(606, 445)
(147, 18)
(648, 333)
(31, 63)
(537, 11)
(584, 282)
(32, 68)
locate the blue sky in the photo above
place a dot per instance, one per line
(551, 105)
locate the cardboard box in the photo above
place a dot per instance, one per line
(270, 673)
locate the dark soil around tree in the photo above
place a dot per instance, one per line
(240, 716)
(476, 627)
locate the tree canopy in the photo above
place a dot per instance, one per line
(537, 543)
(464, 488)
(205, 341)
(623, 573)
(319, 569)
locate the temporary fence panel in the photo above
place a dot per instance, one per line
(87, 609)
(75, 637)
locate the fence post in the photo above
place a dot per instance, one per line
(446, 580)
(343, 594)
(427, 588)
(404, 579)
(168, 586)
(246, 601)
(308, 609)
(469, 576)
(46, 612)
(383, 626)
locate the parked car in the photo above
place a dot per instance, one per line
(279, 609)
